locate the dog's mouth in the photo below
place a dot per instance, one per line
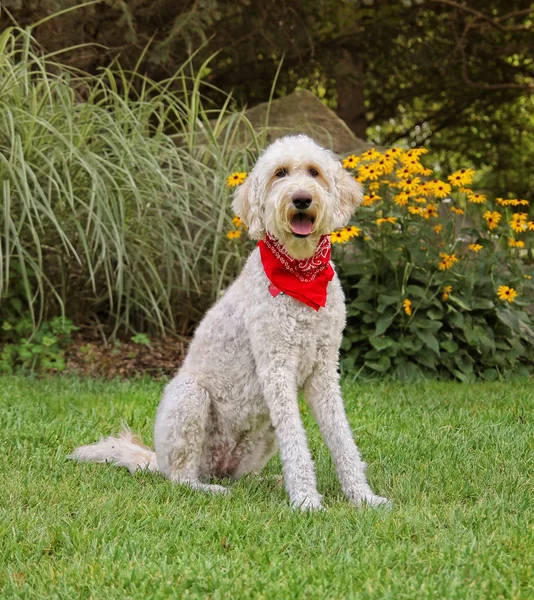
(301, 224)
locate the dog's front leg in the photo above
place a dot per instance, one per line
(323, 393)
(278, 380)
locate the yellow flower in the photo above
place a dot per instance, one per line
(385, 166)
(530, 225)
(233, 235)
(370, 154)
(409, 185)
(393, 153)
(457, 211)
(446, 291)
(374, 186)
(352, 231)
(339, 237)
(516, 243)
(438, 229)
(466, 191)
(519, 222)
(235, 179)
(416, 210)
(401, 199)
(440, 189)
(416, 152)
(370, 199)
(420, 200)
(475, 247)
(476, 198)
(425, 189)
(461, 177)
(391, 220)
(426, 172)
(506, 293)
(366, 172)
(414, 166)
(492, 218)
(431, 211)
(407, 305)
(447, 261)
(351, 161)
(527, 276)
(237, 222)
(511, 202)
(403, 173)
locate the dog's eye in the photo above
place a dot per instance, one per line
(281, 172)
(314, 172)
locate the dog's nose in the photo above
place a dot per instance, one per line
(301, 200)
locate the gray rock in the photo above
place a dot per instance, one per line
(302, 112)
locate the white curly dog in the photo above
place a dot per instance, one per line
(233, 403)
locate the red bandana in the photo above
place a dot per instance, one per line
(304, 280)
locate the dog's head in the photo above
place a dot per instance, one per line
(297, 192)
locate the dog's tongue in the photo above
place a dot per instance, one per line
(301, 224)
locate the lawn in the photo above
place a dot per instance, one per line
(456, 459)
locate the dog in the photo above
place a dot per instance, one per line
(275, 331)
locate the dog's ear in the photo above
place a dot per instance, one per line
(246, 205)
(350, 196)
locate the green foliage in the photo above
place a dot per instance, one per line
(113, 203)
(141, 338)
(424, 294)
(34, 351)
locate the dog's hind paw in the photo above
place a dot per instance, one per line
(307, 503)
(366, 497)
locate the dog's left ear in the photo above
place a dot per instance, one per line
(350, 196)
(246, 205)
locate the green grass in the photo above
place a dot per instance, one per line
(456, 459)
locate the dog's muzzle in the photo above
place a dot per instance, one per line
(301, 222)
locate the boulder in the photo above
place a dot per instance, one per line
(302, 112)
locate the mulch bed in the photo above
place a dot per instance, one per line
(93, 357)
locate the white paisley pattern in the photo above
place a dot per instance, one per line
(304, 270)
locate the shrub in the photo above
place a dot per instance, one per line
(438, 277)
(112, 197)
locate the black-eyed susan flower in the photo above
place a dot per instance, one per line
(475, 247)
(519, 222)
(407, 306)
(431, 211)
(416, 210)
(370, 199)
(439, 188)
(492, 218)
(370, 154)
(350, 162)
(352, 231)
(476, 198)
(237, 222)
(513, 243)
(457, 211)
(438, 229)
(461, 177)
(447, 289)
(401, 199)
(382, 220)
(506, 293)
(339, 237)
(233, 235)
(447, 261)
(409, 185)
(236, 179)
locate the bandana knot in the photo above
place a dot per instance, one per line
(305, 280)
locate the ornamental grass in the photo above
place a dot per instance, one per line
(113, 204)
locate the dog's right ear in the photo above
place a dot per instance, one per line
(246, 205)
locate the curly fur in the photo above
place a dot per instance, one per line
(233, 403)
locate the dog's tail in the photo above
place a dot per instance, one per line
(126, 450)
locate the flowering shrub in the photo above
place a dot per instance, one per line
(437, 276)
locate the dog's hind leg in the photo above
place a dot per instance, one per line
(180, 431)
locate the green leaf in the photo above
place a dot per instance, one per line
(429, 339)
(380, 343)
(449, 346)
(382, 324)
(459, 301)
(382, 365)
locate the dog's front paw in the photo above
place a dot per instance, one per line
(365, 497)
(307, 502)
